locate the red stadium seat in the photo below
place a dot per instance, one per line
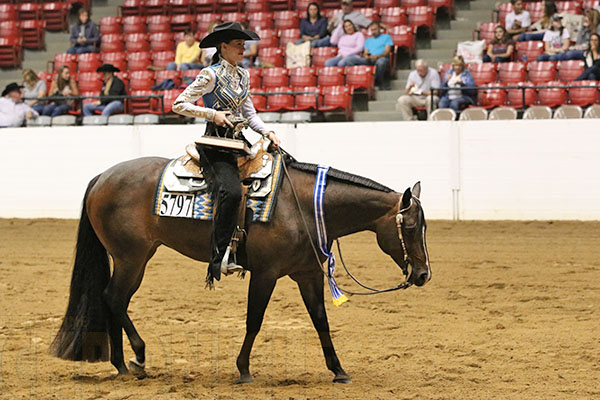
(69, 60)
(85, 93)
(180, 7)
(261, 20)
(515, 96)
(531, 50)
(322, 54)
(158, 23)
(136, 42)
(268, 37)
(141, 80)
(8, 12)
(229, 5)
(271, 56)
(393, 16)
(134, 24)
(360, 77)
(11, 51)
(422, 16)
(280, 4)
(124, 76)
(118, 59)
(309, 101)
(169, 97)
(493, 97)
(485, 31)
(535, 8)
(280, 102)
(303, 77)
(511, 72)
(336, 98)
(34, 34)
(331, 76)
(139, 61)
(257, 6)
(89, 82)
(385, 3)
(111, 43)
(110, 25)
(553, 97)
(55, 15)
(161, 41)
(503, 9)
(540, 72)
(204, 20)
(589, 4)
(88, 62)
(132, 7)
(368, 12)
(412, 3)
(142, 105)
(10, 28)
(483, 73)
(286, 19)
(259, 102)
(189, 74)
(443, 68)
(156, 7)
(570, 7)
(161, 76)
(584, 96)
(275, 77)
(235, 16)
(291, 35)
(204, 6)
(404, 36)
(29, 11)
(182, 23)
(448, 5)
(255, 77)
(163, 58)
(569, 70)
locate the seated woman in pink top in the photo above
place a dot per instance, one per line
(350, 43)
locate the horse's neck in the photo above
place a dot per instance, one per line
(350, 208)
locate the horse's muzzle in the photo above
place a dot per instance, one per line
(421, 279)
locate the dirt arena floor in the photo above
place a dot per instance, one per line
(512, 312)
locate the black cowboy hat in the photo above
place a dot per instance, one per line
(11, 87)
(225, 32)
(108, 68)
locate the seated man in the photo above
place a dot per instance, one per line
(346, 13)
(112, 86)
(518, 20)
(188, 54)
(84, 35)
(418, 90)
(13, 111)
(377, 52)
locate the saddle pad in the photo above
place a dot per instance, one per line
(199, 205)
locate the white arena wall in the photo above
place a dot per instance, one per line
(487, 170)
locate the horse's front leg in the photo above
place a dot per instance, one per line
(311, 288)
(259, 293)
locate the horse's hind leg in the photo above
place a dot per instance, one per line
(311, 288)
(126, 279)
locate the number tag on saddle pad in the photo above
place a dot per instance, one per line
(177, 205)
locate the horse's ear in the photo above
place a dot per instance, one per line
(416, 190)
(406, 198)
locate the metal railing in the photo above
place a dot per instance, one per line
(80, 99)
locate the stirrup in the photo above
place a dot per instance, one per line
(227, 267)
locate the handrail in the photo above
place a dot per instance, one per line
(161, 97)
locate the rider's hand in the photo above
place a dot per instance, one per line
(275, 142)
(221, 119)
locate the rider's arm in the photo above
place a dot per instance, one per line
(254, 121)
(184, 104)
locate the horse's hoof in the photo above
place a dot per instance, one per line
(246, 378)
(342, 379)
(137, 369)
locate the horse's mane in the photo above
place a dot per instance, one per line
(342, 176)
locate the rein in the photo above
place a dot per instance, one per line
(399, 219)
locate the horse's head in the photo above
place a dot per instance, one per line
(401, 234)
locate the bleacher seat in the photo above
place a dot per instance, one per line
(483, 73)
(538, 112)
(309, 101)
(404, 36)
(95, 120)
(204, 20)
(447, 5)
(175, 76)
(142, 105)
(120, 119)
(568, 111)
(29, 11)
(268, 37)
(589, 4)
(535, 8)
(141, 80)
(10, 28)
(337, 98)
(169, 97)
(443, 68)
(69, 60)
(280, 102)
(261, 20)
(515, 96)
(272, 56)
(8, 12)
(529, 51)
(134, 24)
(412, 3)
(503, 9)
(485, 31)
(385, 3)
(229, 5)
(162, 58)
(55, 15)
(303, 77)
(280, 4)
(118, 59)
(331, 76)
(182, 23)
(124, 76)
(158, 24)
(146, 119)
(139, 61)
(422, 16)
(135, 42)
(204, 6)
(584, 96)
(255, 77)
(492, 97)
(291, 35)
(592, 111)
(322, 54)
(512, 72)
(64, 120)
(110, 25)
(361, 77)
(257, 6)
(286, 19)
(442, 114)
(156, 7)
(88, 62)
(275, 77)
(569, 7)
(161, 41)
(369, 12)
(503, 113)
(541, 71)
(235, 16)
(473, 114)
(34, 34)
(393, 16)
(89, 81)
(132, 7)
(180, 7)
(569, 70)
(259, 101)
(111, 43)
(553, 97)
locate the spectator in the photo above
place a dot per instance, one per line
(84, 35)
(314, 26)
(589, 25)
(188, 54)
(501, 47)
(62, 86)
(112, 86)
(207, 54)
(536, 31)
(458, 77)
(518, 20)
(346, 13)
(350, 44)
(13, 111)
(557, 40)
(418, 90)
(34, 88)
(377, 52)
(592, 60)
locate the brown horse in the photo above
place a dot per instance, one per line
(116, 220)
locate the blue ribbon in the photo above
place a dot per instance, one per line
(324, 245)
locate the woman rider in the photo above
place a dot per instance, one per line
(224, 88)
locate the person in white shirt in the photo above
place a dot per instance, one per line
(418, 90)
(518, 20)
(13, 111)
(557, 40)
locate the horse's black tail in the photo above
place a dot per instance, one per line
(83, 333)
